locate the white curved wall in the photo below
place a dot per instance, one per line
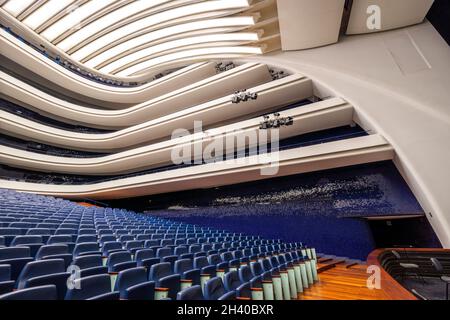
(225, 83)
(404, 96)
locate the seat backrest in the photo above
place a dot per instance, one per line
(87, 231)
(200, 262)
(85, 247)
(14, 252)
(191, 293)
(245, 274)
(160, 270)
(130, 277)
(118, 257)
(214, 288)
(51, 249)
(214, 259)
(183, 265)
(66, 231)
(107, 238)
(89, 261)
(126, 237)
(274, 261)
(226, 256)
(48, 292)
(195, 248)
(39, 231)
(163, 252)
(256, 268)
(5, 272)
(231, 280)
(18, 240)
(60, 239)
(39, 268)
(88, 287)
(166, 242)
(111, 245)
(10, 231)
(180, 250)
(144, 254)
(86, 238)
(133, 244)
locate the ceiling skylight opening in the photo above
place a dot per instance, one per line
(16, 7)
(46, 12)
(74, 19)
(104, 22)
(154, 20)
(181, 43)
(241, 22)
(192, 54)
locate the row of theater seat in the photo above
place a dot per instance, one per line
(55, 249)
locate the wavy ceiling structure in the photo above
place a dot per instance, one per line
(129, 38)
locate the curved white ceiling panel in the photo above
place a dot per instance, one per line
(107, 21)
(15, 7)
(45, 12)
(74, 18)
(115, 39)
(154, 20)
(231, 37)
(165, 33)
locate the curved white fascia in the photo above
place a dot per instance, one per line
(157, 19)
(270, 96)
(39, 64)
(167, 33)
(294, 161)
(219, 85)
(314, 117)
(189, 54)
(205, 40)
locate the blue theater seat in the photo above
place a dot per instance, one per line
(134, 285)
(245, 275)
(97, 287)
(162, 274)
(215, 290)
(6, 284)
(185, 269)
(33, 242)
(39, 268)
(90, 265)
(86, 238)
(110, 247)
(191, 293)
(204, 266)
(118, 261)
(37, 293)
(87, 248)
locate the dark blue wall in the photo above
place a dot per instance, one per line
(321, 209)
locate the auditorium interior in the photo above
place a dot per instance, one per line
(224, 150)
